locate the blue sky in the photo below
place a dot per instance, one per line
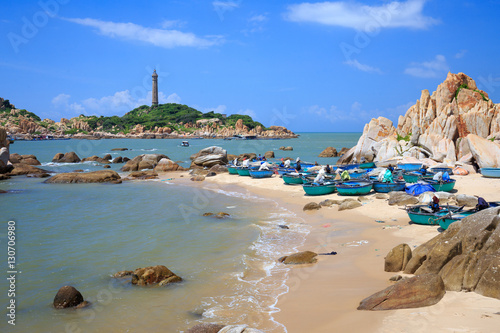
(309, 66)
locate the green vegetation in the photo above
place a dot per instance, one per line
(404, 138)
(492, 139)
(465, 86)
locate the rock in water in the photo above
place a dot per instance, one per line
(70, 157)
(329, 152)
(397, 258)
(101, 176)
(67, 297)
(305, 257)
(159, 274)
(415, 292)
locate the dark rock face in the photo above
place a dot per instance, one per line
(25, 169)
(218, 169)
(159, 274)
(117, 159)
(68, 297)
(149, 174)
(269, 154)
(144, 161)
(466, 255)
(415, 292)
(70, 157)
(219, 215)
(311, 206)
(329, 152)
(102, 176)
(305, 257)
(97, 159)
(205, 328)
(397, 258)
(119, 149)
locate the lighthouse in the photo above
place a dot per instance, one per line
(155, 89)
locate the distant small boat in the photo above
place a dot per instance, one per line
(409, 166)
(381, 187)
(184, 144)
(319, 189)
(490, 172)
(261, 173)
(354, 187)
(444, 186)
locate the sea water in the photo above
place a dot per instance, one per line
(81, 234)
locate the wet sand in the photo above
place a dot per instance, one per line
(323, 297)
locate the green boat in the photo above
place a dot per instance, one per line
(243, 171)
(449, 218)
(367, 165)
(232, 170)
(423, 214)
(354, 187)
(444, 186)
(319, 189)
(415, 176)
(292, 178)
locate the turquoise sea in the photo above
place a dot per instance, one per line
(81, 234)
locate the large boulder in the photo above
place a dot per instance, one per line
(97, 159)
(466, 255)
(311, 206)
(305, 257)
(329, 152)
(208, 157)
(415, 292)
(349, 204)
(159, 274)
(68, 297)
(269, 154)
(485, 152)
(166, 165)
(397, 258)
(466, 200)
(25, 169)
(102, 176)
(5, 164)
(144, 161)
(401, 199)
(70, 157)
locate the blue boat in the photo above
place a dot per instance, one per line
(490, 172)
(282, 171)
(357, 174)
(349, 166)
(261, 173)
(443, 170)
(410, 166)
(319, 189)
(381, 187)
(367, 165)
(354, 187)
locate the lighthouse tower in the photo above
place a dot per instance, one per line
(155, 89)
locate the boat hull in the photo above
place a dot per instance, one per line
(442, 186)
(367, 165)
(292, 179)
(381, 187)
(314, 189)
(354, 188)
(243, 171)
(232, 170)
(421, 214)
(357, 174)
(445, 222)
(490, 172)
(415, 176)
(409, 166)
(261, 173)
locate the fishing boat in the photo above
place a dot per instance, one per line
(443, 170)
(409, 166)
(319, 189)
(367, 165)
(357, 174)
(382, 187)
(415, 176)
(184, 144)
(354, 187)
(243, 171)
(450, 217)
(423, 214)
(261, 173)
(292, 178)
(233, 170)
(490, 172)
(444, 186)
(350, 166)
(282, 171)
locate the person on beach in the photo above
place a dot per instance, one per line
(435, 204)
(287, 163)
(390, 167)
(264, 166)
(328, 169)
(235, 162)
(345, 175)
(298, 167)
(259, 158)
(246, 163)
(423, 169)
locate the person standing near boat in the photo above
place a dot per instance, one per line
(246, 163)
(328, 169)
(298, 167)
(435, 204)
(287, 163)
(264, 166)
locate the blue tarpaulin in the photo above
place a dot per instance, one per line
(419, 188)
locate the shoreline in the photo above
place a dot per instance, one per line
(323, 297)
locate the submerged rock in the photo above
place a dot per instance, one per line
(70, 157)
(329, 152)
(68, 297)
(159, 274)
(101, 176)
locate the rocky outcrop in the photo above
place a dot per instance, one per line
(329, 152)
(70, 157)
(152, 275)
(25, 169)
(25, 159)
(305, 257)
(5, 165)
(466, 255)
(68, 297)
(397, 258)
(269, 154)
(219, 215)
(97, 159)
(441, 126)
(209, 157)
(401, 199)
(102, 176)
(415, 292)
(167, 165)
(143, 175)
(144, 161)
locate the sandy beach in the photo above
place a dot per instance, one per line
(323, 297)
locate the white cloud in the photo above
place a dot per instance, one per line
(395, 14)
(62, 101)
(227, 5)
(249, 112)
(362, 67)
(255, 24)
(158, 37)
(332, 114)
(165, 24)
(258, 18)
(428, 69)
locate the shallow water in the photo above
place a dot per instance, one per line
(82, 234)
